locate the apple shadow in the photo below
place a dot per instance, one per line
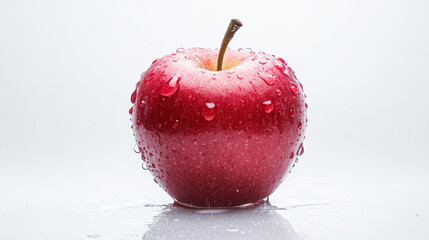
(258, 222)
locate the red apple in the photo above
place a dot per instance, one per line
(219, 138)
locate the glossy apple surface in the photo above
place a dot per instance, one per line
(219, 138)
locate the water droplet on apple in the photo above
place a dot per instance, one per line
(292, 113)
(296, 160)
(174, 60)
(254, 58)
(268, 79)
(142, 103)
(300, 125)
(152, 72)
(268, 106)
(180, 50)
(240, 50)
(144, 166)
(261, 52)
(209, 111)
(136, 148)
(130, 111)
(294, 88)
(280, 67)
(249, 50)
(170, 87)
(133, 96)
(263, 61)
(282, 60)
(239, 76)
(291, 155)
(278, 92)
(176, 123)
(300, 150)
(306, 106)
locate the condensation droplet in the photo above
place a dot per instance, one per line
(292, 113)
(239, 76)
(281, 60)
(209, 111)
(296, 160)
(300, 125)
(280, 67)
(136, 148)
(268, 106)
(278, 92)
(130, 111)
(262, 61)
(176, 123)
(306, 106)
(170, 87)
(268, 79)
(261, 52)
(300, 150)
(142, 103)
(144, 166)
(291, 155)
(249, 50)
(152, 73)
(180, 50)
(133, 96)
(294, 88)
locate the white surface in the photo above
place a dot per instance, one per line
(110, 206)
(67, 69)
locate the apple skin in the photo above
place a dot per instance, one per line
(219, 138)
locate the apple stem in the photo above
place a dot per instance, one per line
(233, 27)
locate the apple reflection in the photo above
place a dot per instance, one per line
(260, 222)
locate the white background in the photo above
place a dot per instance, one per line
(67, 69)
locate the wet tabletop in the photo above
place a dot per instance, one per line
(131, 206)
